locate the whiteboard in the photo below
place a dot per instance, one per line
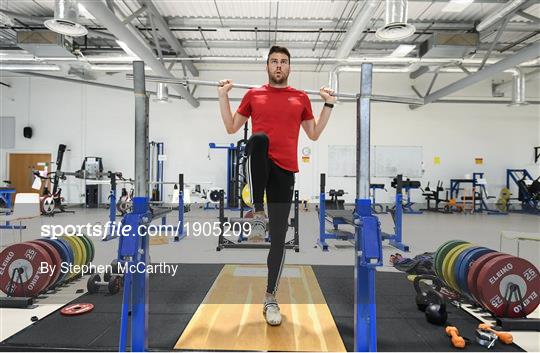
(390, 161)
(386, 161)
(341, 160)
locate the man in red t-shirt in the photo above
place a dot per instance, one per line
(277, 112)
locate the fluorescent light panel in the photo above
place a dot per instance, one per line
(402, 50)
(457, 5)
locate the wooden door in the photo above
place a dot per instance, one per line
(21, 166)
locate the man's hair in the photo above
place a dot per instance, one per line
(278, 49)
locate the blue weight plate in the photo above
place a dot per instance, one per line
(463, 266)
(70, 254)
(459, 260)
(458, 264)
(63, 254)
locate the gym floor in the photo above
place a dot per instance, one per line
(423, 233)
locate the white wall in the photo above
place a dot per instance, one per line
(99, 122)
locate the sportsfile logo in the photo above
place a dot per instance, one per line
(117, 229)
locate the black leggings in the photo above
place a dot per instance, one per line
(263, 173)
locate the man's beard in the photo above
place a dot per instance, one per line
(277, 81)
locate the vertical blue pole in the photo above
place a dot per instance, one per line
(230, 150)
(139, 321)
(322, 214)
(126, 306)
(398, 217)
(112, 205)
(366, 329)
(368, 242)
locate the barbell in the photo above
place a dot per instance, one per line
(187, 81)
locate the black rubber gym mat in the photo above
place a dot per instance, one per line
(172, 304)
(400, 326)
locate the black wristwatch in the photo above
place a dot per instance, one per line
(329, 105)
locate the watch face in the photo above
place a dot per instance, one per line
(306, 151)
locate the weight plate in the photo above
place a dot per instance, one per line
(82, 246)
(87, 250)
(458, 261)
(47, 205)
(28, 257)
(77, 253)
(442, 253)
(436, 254)
(495, 277)
(474, 269)
(450, 273)
(92, 248)
(56, 261)
(64, 254)
(246, 195)
(464, 262)
(77, 309)
(69, 251)
(451, 250)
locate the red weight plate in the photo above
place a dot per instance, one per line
(56, 259)
(77, 309)
(493, 281)
(474, 269)
(478, 284)
(29, 257)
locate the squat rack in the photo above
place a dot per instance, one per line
(368, 244)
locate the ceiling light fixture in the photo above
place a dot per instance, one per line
(396, 26)
(66, 13)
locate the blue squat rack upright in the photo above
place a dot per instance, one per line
(368, 239)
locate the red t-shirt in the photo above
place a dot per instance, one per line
(278, 113)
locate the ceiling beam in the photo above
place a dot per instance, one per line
(525, 54)
(176, 23)
(140, 48)
(166, 33)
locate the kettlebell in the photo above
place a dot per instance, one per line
(436, 310)
(430, 301)
(422, 300)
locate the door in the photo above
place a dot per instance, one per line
(21, 166)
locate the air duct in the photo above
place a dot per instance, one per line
(396, 26)
(162, 94)
(66, 13)
(357, 28)
(518, 87)
(499, 14)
